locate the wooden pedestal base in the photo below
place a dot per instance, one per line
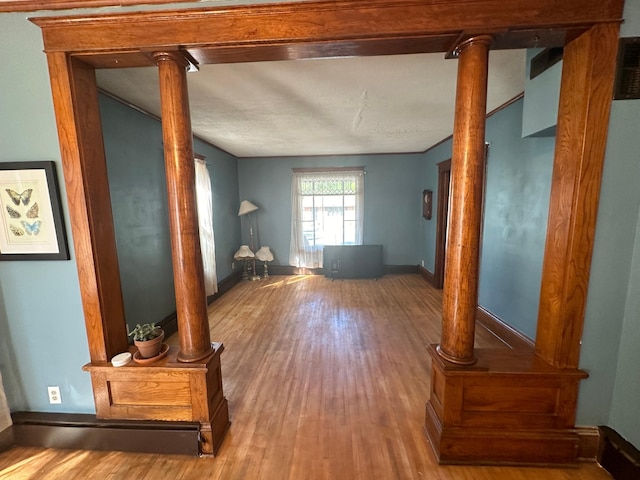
(166, 390)
(511, 407)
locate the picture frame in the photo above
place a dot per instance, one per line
(31, 222)
(427, 204)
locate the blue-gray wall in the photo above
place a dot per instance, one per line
(42, 334)
(610, 344)
(135, 161)
(392, 205)
(518, 183)
(541, 99)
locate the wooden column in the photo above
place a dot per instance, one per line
(460, 295)
(191, 306)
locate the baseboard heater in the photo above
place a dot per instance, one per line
(86, 432)
(353, 261)
(618, 456)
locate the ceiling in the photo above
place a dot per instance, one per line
(331, 106)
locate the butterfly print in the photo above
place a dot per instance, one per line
(33, 211)
(13, 213)
(17, 231)
(16, 197)
(32, 228)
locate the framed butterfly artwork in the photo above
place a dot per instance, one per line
(31, 223)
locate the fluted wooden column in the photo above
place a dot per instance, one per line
(191, 306)
(460, 295)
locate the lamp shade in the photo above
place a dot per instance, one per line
(246, 207)
(243, 252)
(264, 254)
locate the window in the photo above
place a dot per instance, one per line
(326, 210)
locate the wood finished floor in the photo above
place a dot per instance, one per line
(325, 380)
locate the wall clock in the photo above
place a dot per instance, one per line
(427, 202)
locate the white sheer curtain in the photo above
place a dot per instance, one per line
(204, 199)
(5, 417)
(316, 213)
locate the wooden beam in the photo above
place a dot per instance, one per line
(583, 119)
(326, 28)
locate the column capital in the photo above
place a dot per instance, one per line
(483, 39)
(179, 57)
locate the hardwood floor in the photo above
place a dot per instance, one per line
(325, 380)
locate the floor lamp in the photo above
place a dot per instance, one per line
(246, 208)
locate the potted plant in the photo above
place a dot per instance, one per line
(148, 338)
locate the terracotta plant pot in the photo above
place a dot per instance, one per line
(150, 348)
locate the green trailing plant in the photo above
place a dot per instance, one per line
(146, 331)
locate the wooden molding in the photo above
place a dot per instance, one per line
(399, 269)
(502, 330)
(427, 275)
(34, 5)
(86, 432)
(6, 439)
(225, 285)
(588, 443)
(286, 31)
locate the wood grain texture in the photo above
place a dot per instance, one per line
(348, 25)
(33, 5)
(320, 29)
(165, 390)
(188, 274)
(585, 102)
(325, 380)
(79, 131)
(460, 295)
(511, 407)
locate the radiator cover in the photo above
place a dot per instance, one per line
(353, 261)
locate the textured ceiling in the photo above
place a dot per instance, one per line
(385, 104)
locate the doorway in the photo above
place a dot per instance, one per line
(442, 221)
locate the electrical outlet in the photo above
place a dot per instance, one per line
(54, 395)
(422, 263)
